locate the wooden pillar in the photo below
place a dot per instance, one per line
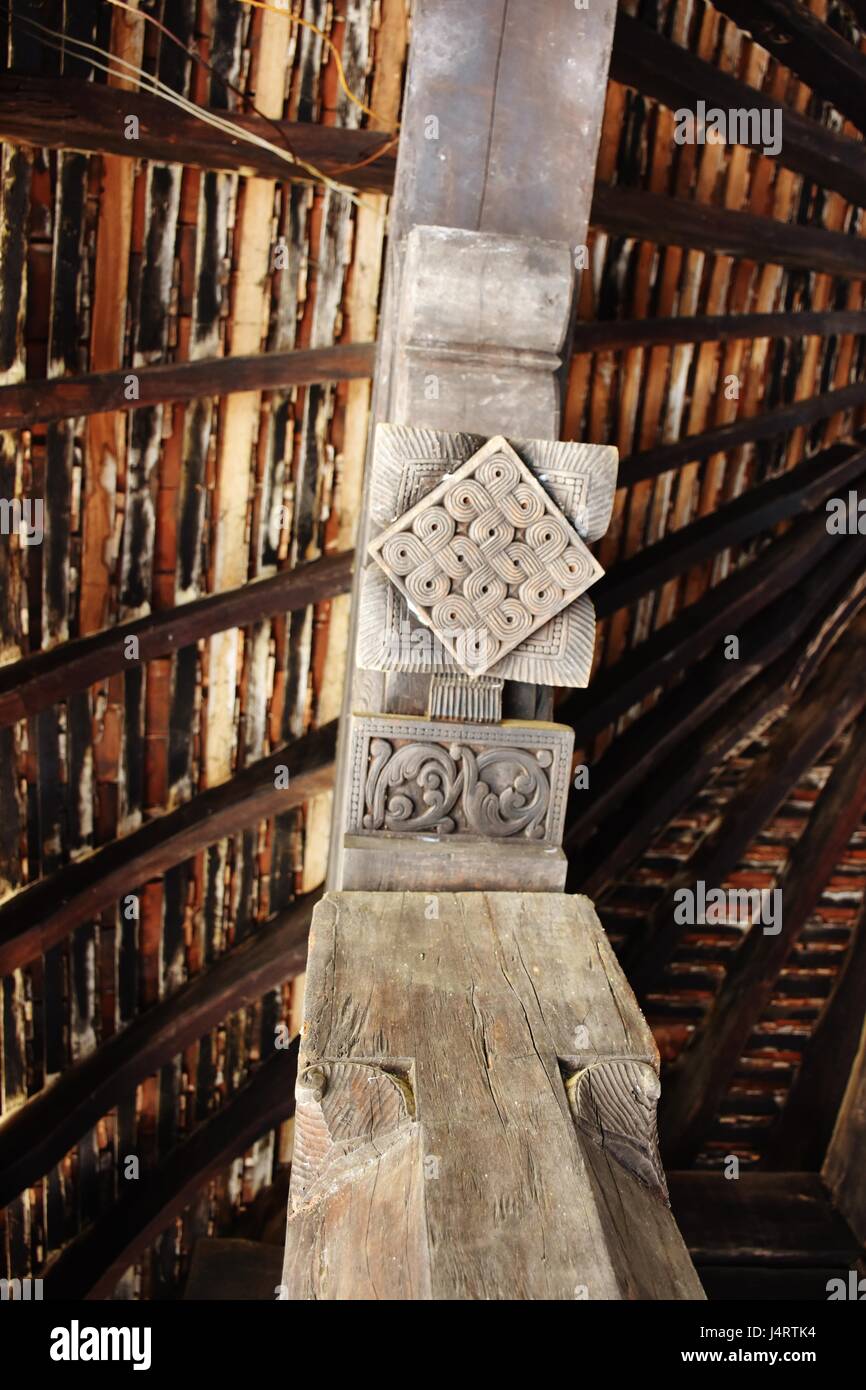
(499, 133)
(477, 1087)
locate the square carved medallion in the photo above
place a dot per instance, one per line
(486, 558)
(397, 632)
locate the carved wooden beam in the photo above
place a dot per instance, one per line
(470, 602)
(563, 1102)
(501, 177)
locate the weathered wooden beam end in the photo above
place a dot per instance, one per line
(475, 1108)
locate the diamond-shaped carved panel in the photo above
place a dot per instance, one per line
(486, 558)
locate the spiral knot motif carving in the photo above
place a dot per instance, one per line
(486, 559)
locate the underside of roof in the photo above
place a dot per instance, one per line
(186, 363)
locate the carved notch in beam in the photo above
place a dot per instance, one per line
(440, 1152)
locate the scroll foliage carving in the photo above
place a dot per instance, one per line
(415, 776)
(421, 786)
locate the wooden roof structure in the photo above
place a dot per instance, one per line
(193, 222)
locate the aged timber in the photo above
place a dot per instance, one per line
(475, 1108)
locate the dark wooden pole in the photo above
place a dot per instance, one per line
(674, 221)
(827, 62)
(64, 113)
(713, 328)
(658, 68)
(44, 913)
(30, 403)
(43, 679)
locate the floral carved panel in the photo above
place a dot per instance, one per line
(429, 777)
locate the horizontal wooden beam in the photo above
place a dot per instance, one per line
(643, 59)
(801, 1136)
(46, 677)
(695, 1084)
(91, 1265)
(666, 221)
(827, 62)
(47, 112)
(650, 463)
(29, 403)
(827, 708)
(714, 328)
(42, 914)
(793, 493)
(781, 1219)
(38, 1135)
(65, 113)
(662, 759)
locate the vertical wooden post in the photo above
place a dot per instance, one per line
(499, 133)
(477, 1087)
